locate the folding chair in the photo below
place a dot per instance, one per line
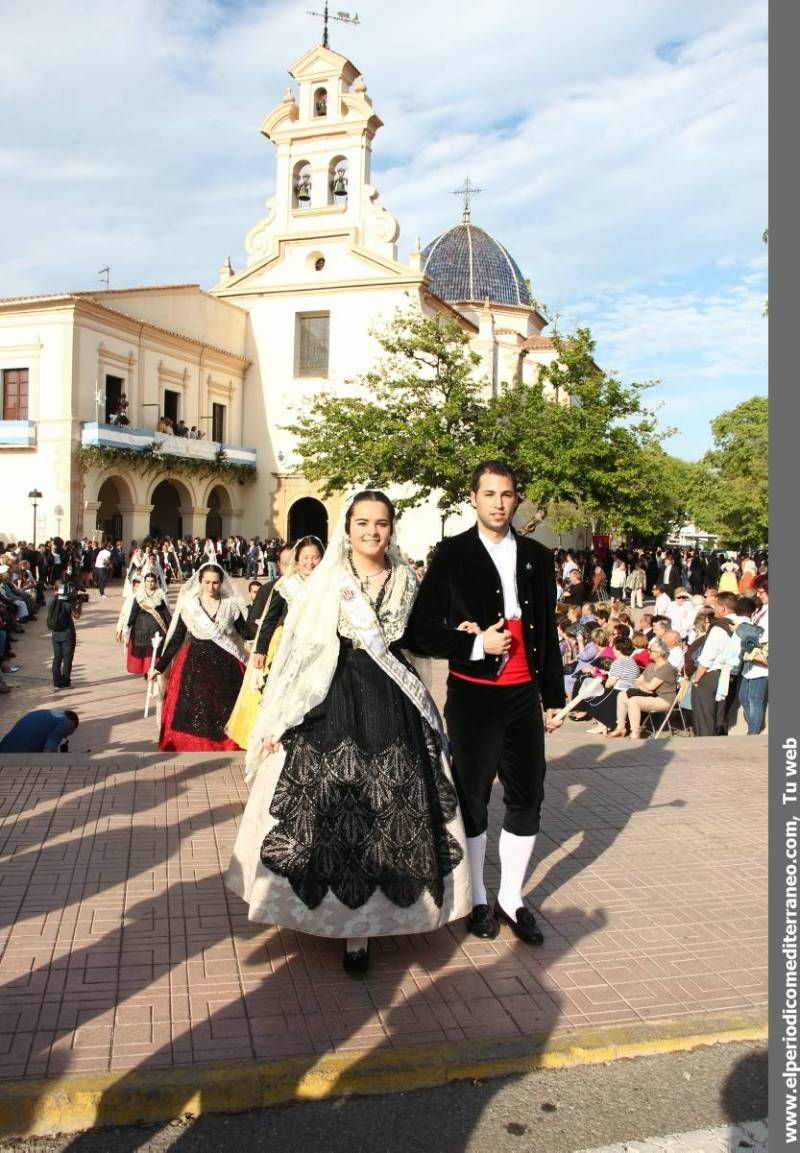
(651, 719)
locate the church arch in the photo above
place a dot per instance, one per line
(301, 184)
(172, 505)
(220, 512)
(307, 517)
(114, 516)
(338, 175)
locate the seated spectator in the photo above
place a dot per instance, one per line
(588, 654)
(575, 591)
(640, 652)
(567, 644)
(646, 625)
(653, 692)
(181, 429)
(672, 640)
(193, 433)
(42, 731)
(622, 675)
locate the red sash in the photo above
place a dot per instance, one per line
(515, 671)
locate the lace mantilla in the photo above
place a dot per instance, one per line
(394, 609)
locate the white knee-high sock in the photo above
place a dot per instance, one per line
(476, 854)
(515, 855)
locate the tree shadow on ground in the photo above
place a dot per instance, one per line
(162, 990)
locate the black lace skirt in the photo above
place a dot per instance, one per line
(362, 803)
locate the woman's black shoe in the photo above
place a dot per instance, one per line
(356, 963)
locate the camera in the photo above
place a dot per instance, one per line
(72, 594)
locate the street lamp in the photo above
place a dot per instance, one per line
(34, 496)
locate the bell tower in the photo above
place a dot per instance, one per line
(323, 135)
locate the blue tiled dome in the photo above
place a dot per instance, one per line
(466, 263)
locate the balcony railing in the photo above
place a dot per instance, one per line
(17, 433)
(139, 439)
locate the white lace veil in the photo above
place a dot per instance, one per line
(306, 658)
(190, 590)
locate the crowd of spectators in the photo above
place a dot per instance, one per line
(699, 642)
(178, 428)
(21, 597)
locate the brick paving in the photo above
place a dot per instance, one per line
(120, 947)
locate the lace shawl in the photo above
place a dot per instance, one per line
(306, 658)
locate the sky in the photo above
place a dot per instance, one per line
(621, 148)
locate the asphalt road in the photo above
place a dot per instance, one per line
(555, 1111)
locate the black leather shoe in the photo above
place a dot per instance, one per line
(523, 926)
(356, 963)
(482, 924)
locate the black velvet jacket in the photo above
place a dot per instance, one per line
(462, 584)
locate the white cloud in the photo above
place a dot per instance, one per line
(621, 147)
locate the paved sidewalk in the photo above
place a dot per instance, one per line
(132, 984)
(724, 1139)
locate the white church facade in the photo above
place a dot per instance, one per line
(239, 361)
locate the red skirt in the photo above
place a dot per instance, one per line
(138, 665)
(181, 740)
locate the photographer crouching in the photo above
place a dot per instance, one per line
(62, 613)
(42, 731)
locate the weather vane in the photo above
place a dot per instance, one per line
(106, 273)
(341, 17)
(467, 190)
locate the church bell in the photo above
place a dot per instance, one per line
(303, 189)
(339, 182)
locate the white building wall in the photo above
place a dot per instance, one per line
(43, 345)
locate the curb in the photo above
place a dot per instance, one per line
(47, 1106)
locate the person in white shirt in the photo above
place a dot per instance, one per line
(487, 605)
(708, 714)
(672, 639)
(681, 612)
(663, 601)
(102, 567)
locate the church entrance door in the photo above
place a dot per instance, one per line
(307, 517)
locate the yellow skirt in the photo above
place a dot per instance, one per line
(243, 717)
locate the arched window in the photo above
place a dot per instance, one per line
(338, 180)
(301, 184)
(321, 102)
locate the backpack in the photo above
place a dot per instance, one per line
(59, 615)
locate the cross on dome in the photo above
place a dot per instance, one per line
(467, 190)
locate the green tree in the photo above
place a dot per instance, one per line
(581, 439)
(415, 413)
(732, 495)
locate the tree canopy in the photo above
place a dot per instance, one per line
(584, 445)
(731, 497)
(414, 415)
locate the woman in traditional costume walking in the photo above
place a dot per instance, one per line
(352, 829)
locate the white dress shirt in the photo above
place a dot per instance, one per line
(503, 555)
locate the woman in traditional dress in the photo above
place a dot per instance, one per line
(149, 614)
(137, 565)
(307, 554)
(352, 829)
(207, 672)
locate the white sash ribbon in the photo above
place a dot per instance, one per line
(364, 620)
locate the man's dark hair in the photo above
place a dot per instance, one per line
(745, 606)
(623, 645)
(496, 468)
(729, 600)
(73, 717)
